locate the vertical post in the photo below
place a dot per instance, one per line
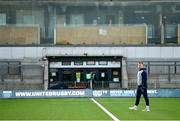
(161, 24)
(103, 84)
(178, 33)
(55, 34)
(162, 34)
(146, 34)
(46, 22)
(46, 75)
(91, 86)
(55, 23)
(169, 74)
(21, 72)
(148, 67)
(124, 73)
(175, 68)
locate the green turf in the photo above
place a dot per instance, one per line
(85, 109)
(50, 109)
(160, 108)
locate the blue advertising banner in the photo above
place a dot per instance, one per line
(86, 93)
(45, 94)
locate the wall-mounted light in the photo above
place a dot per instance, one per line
(142, 17)
(44, 58)
(85, 54)
(164, 17)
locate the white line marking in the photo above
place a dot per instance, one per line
(105, 110)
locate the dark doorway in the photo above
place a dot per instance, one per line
(110, 19)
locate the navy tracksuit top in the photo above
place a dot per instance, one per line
(142, 78)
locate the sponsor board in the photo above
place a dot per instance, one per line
(122, 93)
(7, 94)
(86, 93)
(100, 93)
(44, 94)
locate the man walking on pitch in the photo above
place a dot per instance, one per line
(141, 88)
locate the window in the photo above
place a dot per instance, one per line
(10, 68)
(78, 63)
(90, 62)
(3, 68)
(28, 19)
(76, 19)
(170, 31)
(14, 67)
(66, 63)
(115, 76)
(2, 19)
(150, 31)
(61, 19)
(25, 17)
(103, 62)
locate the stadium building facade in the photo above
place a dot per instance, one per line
(69, 44)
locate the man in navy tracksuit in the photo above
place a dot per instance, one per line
(142, 87)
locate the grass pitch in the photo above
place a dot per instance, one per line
(85, 109)
(160, 108)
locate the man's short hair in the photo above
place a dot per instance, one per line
(141, 62)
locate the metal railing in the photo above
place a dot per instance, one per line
(161, 74)
(84, 85)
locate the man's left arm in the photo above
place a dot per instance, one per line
(144, 79)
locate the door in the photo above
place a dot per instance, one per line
(103, 79)
(116, 75)
(67, 78)
(110, 19)
(80, 82)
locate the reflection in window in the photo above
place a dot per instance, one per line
(103, 62)
(90, 62)
(78, 63)
(66, 63)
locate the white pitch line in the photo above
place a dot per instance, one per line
(105, 110)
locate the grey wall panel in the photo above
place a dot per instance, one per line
(30, 52)
(5, 52)
(18, 53)
(154, 52)
(118, 51)
(130, 52)
(177, 52)
(167, 52)
(142, 52)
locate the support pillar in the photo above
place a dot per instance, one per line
(124, 74)
(46, 75)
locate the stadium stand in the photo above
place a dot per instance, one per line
(37, 37)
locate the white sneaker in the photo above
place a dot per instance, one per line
(133, 108)
(146, 109)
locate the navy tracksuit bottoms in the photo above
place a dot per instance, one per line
(140, 91)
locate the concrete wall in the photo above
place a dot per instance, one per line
(30, 77)
(166, 52)
(32, 73)
(34, 76)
